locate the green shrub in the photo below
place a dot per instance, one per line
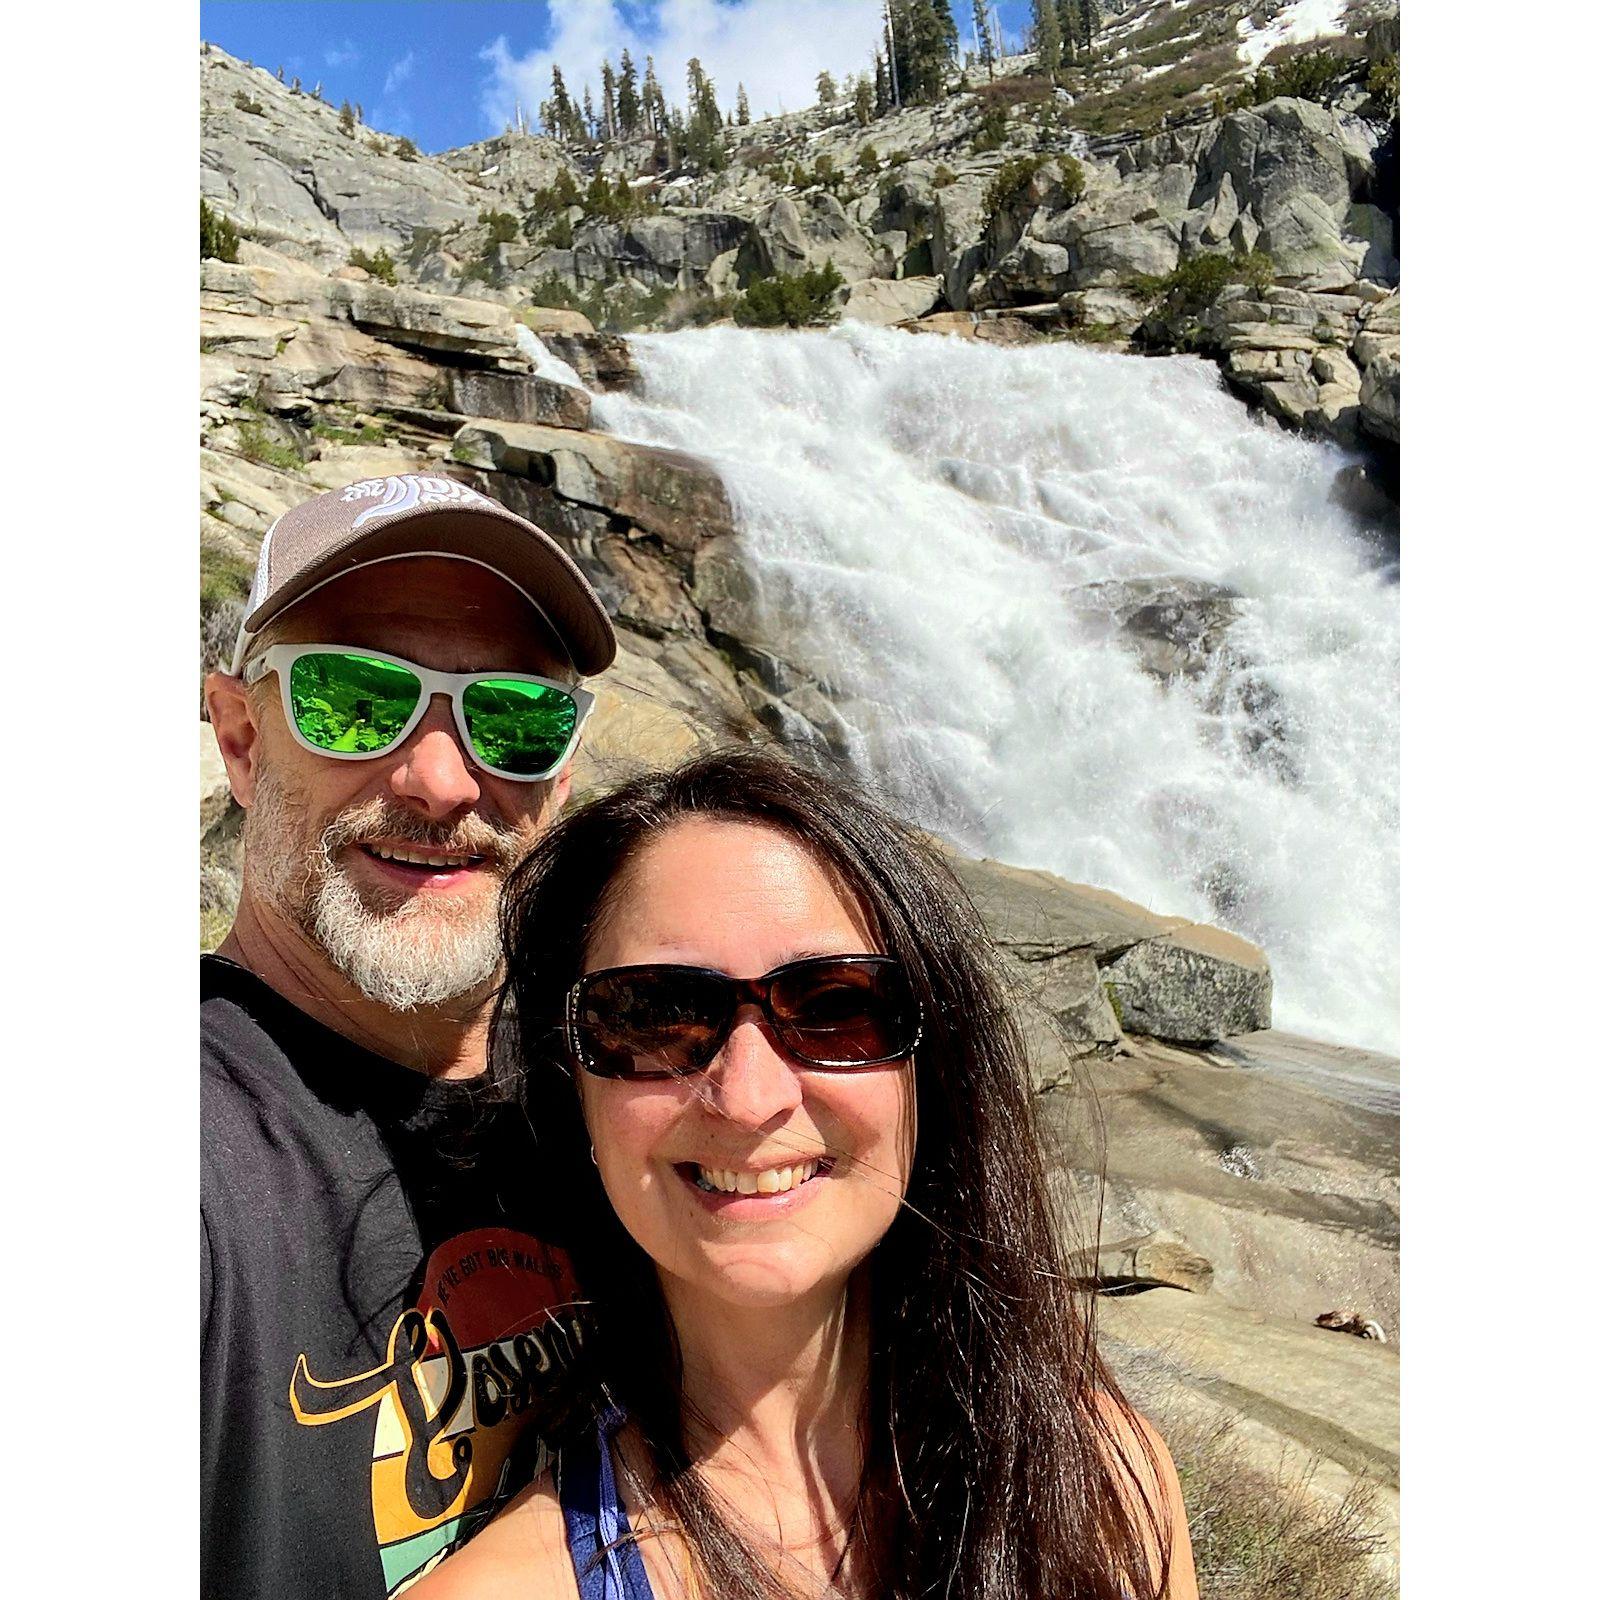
(251, 107)
(789, 300)
(899, 158)
(991, 130)
(423, 244)
(1383, 84)
(1010, 183)
(943, 177)
(219, 238)
(502, 227)
(1179, 297)
(867, 161)
(406, 150)
(380, 265)
(1309, 77)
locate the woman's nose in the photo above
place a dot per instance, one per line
(752, 1081)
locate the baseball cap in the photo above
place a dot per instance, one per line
(417, 514)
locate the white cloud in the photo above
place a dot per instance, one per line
(399, 72)
(342, 55)
(775, 48)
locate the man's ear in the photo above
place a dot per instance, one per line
(238, 737)
(561, 788)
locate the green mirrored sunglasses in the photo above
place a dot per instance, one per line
(354, 704)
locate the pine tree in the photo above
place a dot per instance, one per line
(628, 107)
(655, 102)
(1067, 22)
(703, 112)
(742, 111)
(556, 112)
(882, 98)
(347, 118)
(1088, 21)
(608, 99)
(1047, 37)
(827, 89)
(591, 127)
(863, 100)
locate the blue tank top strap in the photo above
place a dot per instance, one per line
(596, 1520)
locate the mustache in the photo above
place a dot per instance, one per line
(500, 846)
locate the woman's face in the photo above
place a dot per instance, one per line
(743, 898)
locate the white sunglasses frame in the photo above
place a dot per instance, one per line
(279, 658)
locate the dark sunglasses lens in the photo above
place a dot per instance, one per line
(845, 1013)
(648, 1024)
(520, 728)
(351, 704)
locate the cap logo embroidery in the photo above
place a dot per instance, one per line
(409, 489)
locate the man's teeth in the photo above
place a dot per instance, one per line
(774, 1180)
(415, 858)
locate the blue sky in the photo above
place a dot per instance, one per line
(448, 72)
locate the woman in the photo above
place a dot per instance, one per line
(767, 1059)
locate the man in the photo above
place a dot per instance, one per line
(383, 1308)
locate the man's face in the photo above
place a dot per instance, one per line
(392, 866)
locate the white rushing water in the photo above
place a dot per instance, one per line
(919, 512)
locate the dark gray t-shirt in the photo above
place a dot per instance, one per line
(380, 1321)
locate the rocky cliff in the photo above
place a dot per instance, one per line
(999, 202)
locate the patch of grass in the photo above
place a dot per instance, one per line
(943, 177)
(257, 444)
(1096, 333)
(1259, 1536)
(223, 577)
(1141, 104)
(406, 150)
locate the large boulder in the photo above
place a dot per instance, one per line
(675, 496)
(1193, 984)
(957, 235)
(886, 301)
(479, 329)
(673, 248)
(794, 234)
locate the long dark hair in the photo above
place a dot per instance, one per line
(994, 1467)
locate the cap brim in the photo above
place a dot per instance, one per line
(501, 540)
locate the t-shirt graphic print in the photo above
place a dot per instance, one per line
(494, 1330)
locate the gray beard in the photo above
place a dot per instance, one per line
(418, 953)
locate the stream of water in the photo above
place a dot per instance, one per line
(941, 531)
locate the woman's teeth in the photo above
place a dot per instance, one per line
(774, 1180)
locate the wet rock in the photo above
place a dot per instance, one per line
(602, 360)
(1195, 984)
(509, 397)
(673, 495)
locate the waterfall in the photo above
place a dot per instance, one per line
(1079, 611)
